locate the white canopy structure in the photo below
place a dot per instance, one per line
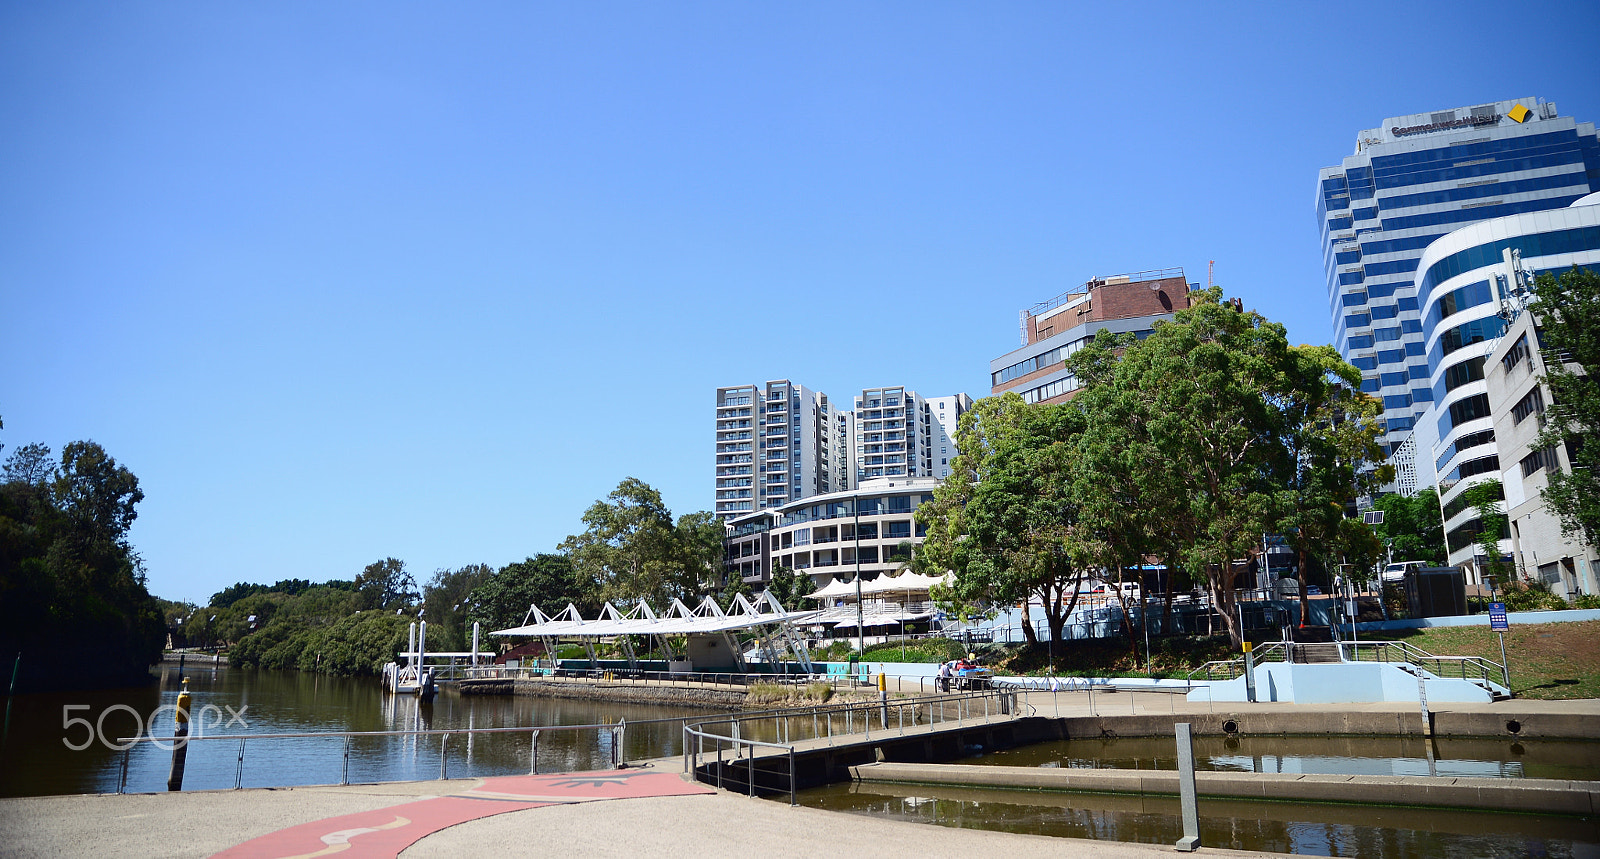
(903, 583)
(707, 619)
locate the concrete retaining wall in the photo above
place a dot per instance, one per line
(1514, 618)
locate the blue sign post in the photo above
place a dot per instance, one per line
(1497, 617)
(1499, 623)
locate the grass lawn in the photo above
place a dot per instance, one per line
(1549, 661)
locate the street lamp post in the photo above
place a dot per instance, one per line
(861, 626)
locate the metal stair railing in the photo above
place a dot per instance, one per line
(1472, 668)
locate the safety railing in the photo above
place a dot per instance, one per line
(608, 735)
(836, 680)
(1228, 669)
(1473, 668)
(735, 740)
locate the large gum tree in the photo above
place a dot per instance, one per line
(1005, 521)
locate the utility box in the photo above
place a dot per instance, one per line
(1436, 591)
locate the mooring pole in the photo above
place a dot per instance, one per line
(883, 697)
(180, 746)
(12, 693)
(1186, 790)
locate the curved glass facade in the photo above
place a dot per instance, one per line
(1380, 208)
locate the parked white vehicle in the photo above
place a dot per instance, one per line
(1397, 571)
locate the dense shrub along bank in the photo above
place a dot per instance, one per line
(356, 645)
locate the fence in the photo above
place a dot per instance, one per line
(835, 679)
(609, 740)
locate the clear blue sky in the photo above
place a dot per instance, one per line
(355, 280)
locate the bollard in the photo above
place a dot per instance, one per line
(1186, 790)
(1249, 674)
(883, 698)
(180, 746)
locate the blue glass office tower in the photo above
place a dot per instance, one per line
(1409, 182)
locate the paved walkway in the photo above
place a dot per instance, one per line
(652, 813)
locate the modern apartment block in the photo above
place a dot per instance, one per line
(899, 433)
(781, 442)
(1053, 330)
(1409, 182)
(775, 443)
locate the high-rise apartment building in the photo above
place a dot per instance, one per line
(781, 442)
(1053, 330)
(1409, 182)
(775, 443)
(899, 433)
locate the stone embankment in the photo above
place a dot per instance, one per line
(703, 697)
(687, 694)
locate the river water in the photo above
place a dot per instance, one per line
(40, 755)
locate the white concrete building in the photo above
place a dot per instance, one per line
(1482, 351)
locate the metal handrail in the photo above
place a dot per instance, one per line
(696, 732)
(616, 729)
(1277, 651)
(844, 680)
(1487, 670)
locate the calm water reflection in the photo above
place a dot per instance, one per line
(1479, 758)
(1318, 830)
(246, 701)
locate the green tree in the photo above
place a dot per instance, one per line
(790, 587)
(446, 605)
(1413, 528)
(72, 594)
(699, 538)
(29, 464)
(632, 550)
(1331, 432)
(548, 581)
(1199, 411)
(1493, 526)
(386, 585)
(1004, 521)
(1568, 309)
(97, 493)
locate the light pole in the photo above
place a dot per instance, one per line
(861, 625)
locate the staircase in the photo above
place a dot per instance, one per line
(1317, 653)
(1314, 645)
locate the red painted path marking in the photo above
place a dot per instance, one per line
(387, 831)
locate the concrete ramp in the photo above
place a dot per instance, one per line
(1349, 683)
